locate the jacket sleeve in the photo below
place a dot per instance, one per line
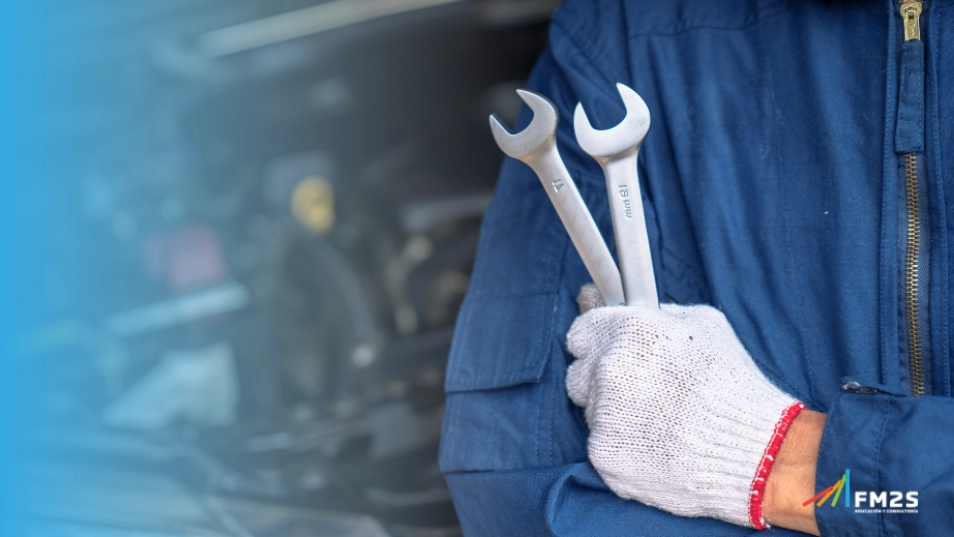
(893, 445)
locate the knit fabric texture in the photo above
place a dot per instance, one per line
(680, 416)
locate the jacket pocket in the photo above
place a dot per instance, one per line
(506, 404)
(500, 343)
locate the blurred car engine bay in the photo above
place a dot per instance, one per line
(271, 216)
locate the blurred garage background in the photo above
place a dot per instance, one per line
(257, 222)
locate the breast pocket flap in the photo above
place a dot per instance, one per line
(500, 343)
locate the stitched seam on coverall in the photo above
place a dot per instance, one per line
(686, 27)
(942, 298)
(770, 72)
(878, 465)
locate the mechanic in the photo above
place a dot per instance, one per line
(797, 192)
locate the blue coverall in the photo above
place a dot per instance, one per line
(798, 175)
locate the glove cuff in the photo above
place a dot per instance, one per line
(756, 516)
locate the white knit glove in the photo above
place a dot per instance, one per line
(680, 417)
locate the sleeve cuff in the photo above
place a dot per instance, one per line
(851, 444)
(756, 516)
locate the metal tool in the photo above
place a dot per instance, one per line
(616, 150)
(536, 147)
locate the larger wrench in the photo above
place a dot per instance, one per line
(616, 150)
(536, 147)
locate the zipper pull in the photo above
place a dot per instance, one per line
(911, 13)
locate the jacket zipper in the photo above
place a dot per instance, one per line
(910, 11)
(912, 271)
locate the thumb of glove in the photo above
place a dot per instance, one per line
(589, 298)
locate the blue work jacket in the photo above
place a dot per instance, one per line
(799, 176)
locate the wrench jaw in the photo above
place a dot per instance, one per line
(619, 140)
(537, 137)
(506, 141)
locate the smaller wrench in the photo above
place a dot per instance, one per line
(616, 150)
(536, 147)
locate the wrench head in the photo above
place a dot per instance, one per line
(540, 133)
(624, 137)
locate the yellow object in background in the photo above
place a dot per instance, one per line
(313, 204)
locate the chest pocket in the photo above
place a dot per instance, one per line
(506, 403)
(500, 343)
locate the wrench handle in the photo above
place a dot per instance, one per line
(629, 227)
(579, 224)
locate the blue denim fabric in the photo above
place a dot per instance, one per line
(771, 186)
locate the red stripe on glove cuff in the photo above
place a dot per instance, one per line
(756, 516)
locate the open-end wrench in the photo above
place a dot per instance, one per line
(536, 147)
(616, 150)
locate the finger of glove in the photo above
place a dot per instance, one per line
(709, 322)
(601, 327)
(582, 336)
(579, 381)
(589, 298)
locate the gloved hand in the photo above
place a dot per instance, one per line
(680, 417)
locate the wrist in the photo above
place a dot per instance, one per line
(792, 478)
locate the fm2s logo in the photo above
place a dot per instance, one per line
(863, 499)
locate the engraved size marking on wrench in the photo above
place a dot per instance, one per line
(627, 206)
